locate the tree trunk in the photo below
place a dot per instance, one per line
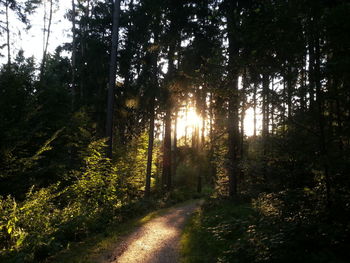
(254, 106)
(73, 54)
(166, 174)
(321, 121)
(174, 152)
(112, 78)
(233, 106)
(186, 118)
(233, 140)
(311, 65)
(150, 149)
(243, 109)
(46, 41)
(8, 34)
(289, 91)
(266, 105)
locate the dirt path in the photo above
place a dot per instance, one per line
(157, 241)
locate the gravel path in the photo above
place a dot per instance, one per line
(158, 240)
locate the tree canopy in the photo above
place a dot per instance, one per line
(160, 99)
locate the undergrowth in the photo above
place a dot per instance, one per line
(261, 231)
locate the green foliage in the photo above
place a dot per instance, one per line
(51, 217)
(132, 165)
(213, 231)
(273, 229)
(191, 164)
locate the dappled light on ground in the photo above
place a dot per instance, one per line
(156, 241)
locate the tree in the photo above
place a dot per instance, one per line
(112, 77)
(233, 21)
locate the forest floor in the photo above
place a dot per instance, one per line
(157, 241)
(154, 237)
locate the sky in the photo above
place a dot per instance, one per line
(31, 41)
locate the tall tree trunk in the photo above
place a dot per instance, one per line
(150, 149)
(272, 109)
(302, 89)
(321, 120)
(266, 119)
(243, 109)
(233, 140)
(266, 105)
(186, 118)
(174, 151)
(46, 43)
(155, 89)
(254, 106)
(233, 106)
(289, 91)
(211, 138)
(8, 34)
(166, 174)
(283, 112)
(83, 46)
(311, 69)
(112, 78)
(203, 114)
(74, 51)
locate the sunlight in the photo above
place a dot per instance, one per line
(187, 121)
(249, 122)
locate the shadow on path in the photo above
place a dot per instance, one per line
(158, 240)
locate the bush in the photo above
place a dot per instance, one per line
(49, 218)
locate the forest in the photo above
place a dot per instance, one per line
(242, 103)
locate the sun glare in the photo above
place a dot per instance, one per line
(187, 122)
(249, 122)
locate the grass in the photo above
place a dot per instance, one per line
(228, 231)
(99, 246)
(213, 229)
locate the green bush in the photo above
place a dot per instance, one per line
(49, 218)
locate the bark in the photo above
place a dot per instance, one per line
(150, 149)
(8, 34)
(186, 118)
(283, 112)
(289, 91)
(73, 54)
(272, 110)
(233, 140)
(311, 66)
(243, 109)
(302, 91)
(174, 152)
(46, 41)
(166, 174)
(233, 106)
(266, 105)
(211, 145)
(254, 106)
(203, 114)
(154, 72)
(321, 121)
(112, 78)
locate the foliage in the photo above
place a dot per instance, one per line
(49, 218)
(268, 231)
